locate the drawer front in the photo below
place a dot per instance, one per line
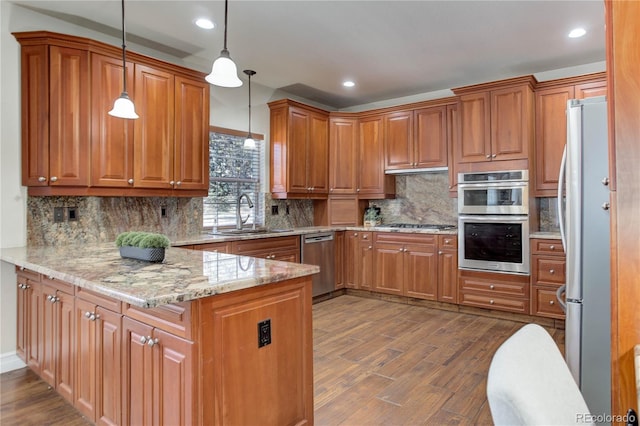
(174, 318)
(27, 274)
(545, 304)
(404, 238)
(100, 300)
(499, 303)
(552, 247)
(447, 241)
(497, 288)
(60, 285)
(223, 247)
(549, 270)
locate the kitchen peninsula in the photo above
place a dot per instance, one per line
(202, 338)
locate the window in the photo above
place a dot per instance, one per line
(233, 170)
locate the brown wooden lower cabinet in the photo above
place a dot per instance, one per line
(189, 363)
(548, 264)
(448, 268)
(358, 259)
(98, 344)
(340, 261)
(505, 292)
(286, 249)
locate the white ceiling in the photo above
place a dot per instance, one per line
(389, 48)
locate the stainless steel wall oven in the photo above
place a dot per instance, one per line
(493, 221)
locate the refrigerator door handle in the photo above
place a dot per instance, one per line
(561, 184)
(559, 293)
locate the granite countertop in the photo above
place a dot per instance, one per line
(214, 238)
(184, 274)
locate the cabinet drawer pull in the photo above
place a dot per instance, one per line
(605, 206)
(42, 179)
(130, 181)
(552, 247)
(492, 287)
(552, 271)
(491, 302)
(447, 241)
(355, 234)
(551, 302)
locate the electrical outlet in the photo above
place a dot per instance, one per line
(163, 211)
(264, 333)
(274, 210)
(72, 214)
(58, 214)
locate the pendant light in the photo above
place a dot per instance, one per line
(123, 107)
(224, 72)
(249, 142)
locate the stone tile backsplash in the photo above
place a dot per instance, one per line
(420, 198)
(101, 219)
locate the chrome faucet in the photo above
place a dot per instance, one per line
(239, 219)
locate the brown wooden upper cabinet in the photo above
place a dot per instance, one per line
(55, 115)
(416, 139)
(299, 150)
(496, 121)
(71, 146)
(551, 125)
(343, 155)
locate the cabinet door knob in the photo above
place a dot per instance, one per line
(492, 286)
(42, 179)
(330, 189)
(54, 178)
(152, 342)
(171, 182)
(440, 252)
(491, 302)
(552, 271)
(130, 181)
(49, 297)
(358, 190)
(447, 241)
(87, 314)
(551, 302)
(493, 155)
(355, 234)
(401, 249)
(488, 156)
(178, 183)
(552, 247)
(143, 340)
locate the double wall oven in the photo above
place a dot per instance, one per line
(493, 221)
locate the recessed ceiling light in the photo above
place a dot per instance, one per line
(577, 32)
(348, 83)
(205, 23)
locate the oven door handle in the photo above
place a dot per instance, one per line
(505, 218)
(483, 185)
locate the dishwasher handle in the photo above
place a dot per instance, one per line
(317, 238)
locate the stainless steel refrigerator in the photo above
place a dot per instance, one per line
(584, 225)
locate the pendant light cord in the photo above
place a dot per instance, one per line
(250, 106)
(226, 6)
(124, 54)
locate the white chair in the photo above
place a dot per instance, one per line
(529, 383)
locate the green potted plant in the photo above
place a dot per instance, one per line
(142, 245)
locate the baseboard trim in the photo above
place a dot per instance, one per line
(9, 361)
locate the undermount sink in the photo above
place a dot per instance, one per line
(240, 231)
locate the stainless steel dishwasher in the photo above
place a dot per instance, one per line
(318, 249)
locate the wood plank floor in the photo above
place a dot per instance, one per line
(375, 363)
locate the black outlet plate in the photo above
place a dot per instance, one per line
(274, 210)
(264, 333)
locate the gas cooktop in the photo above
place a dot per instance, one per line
(438, 227)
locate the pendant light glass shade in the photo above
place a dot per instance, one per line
(123, 106)
(224, 72)
(249, 142)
